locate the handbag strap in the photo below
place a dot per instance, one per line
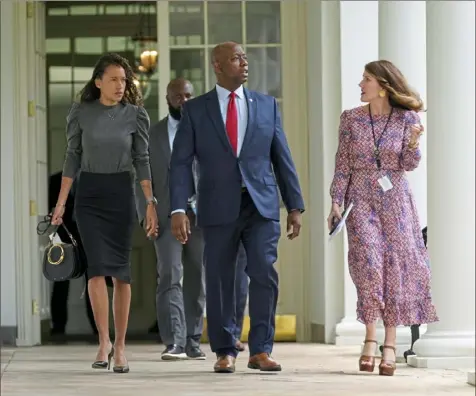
(73, 241)
(45, 225)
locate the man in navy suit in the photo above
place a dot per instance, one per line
(243, 154)
(241, 295)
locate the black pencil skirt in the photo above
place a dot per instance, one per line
(105, 214)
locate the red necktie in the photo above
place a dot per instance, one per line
(232, 123)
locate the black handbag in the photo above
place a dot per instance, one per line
(62, 261)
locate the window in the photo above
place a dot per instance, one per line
(58, 11)
(196, 27)
(263, 22)
(60, 74)
(186, 23)
(58, 45)
(224, 22)
(61, 94)
(117, 44)
(89, 45)
(82, 74)
(265, 70)
(189, 64)
(116, 9)
(82, 10)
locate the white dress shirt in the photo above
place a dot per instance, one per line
(242, 107)
(172, 126)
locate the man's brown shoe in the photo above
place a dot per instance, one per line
(225, 364)
(263, 362)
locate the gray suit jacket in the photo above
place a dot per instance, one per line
(160, 154)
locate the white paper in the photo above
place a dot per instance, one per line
(55, 238)
(341, 223)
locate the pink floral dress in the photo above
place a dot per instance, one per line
(388, 261)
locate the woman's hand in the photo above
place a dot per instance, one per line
(416, 131)
(334, 215)
(58, 213)
(151, 222)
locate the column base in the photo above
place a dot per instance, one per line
(404, 341)
(349, 332)
(444, 350)
(441, 362)
(471, 378)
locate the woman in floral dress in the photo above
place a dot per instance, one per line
(388, 261)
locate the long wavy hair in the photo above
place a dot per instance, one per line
(392, 80)
(90, 92)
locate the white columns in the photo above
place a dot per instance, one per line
(359, 45)
(324, 106)
(7, 68)
(451, 183)
(22, 260)
(402, 40)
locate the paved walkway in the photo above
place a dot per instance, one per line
(308, 369)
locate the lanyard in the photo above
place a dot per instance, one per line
(377, 142)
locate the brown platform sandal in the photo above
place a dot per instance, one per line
(367, 363)
(387, 367)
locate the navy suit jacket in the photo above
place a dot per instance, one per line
(264, 162)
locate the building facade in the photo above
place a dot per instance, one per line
(310, 55)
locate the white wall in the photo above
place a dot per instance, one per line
(8, 291)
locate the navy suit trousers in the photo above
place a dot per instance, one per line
(260, 238)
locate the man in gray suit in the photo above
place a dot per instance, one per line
(179, 314)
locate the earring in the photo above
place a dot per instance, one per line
(381, 93)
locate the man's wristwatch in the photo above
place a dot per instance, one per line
(152, 201)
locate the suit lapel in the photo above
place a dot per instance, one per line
(213, 109)
(250, 127)
(163, 140)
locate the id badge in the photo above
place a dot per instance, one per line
(385, 183)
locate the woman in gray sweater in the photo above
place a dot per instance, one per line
(107, 134)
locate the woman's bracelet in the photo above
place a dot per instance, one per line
(413, 145)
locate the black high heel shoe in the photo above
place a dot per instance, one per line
(101, 364)
(121, 369)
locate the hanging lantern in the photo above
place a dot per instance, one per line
(146, 56)
(143, 85)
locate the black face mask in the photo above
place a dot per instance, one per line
(175, 113)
